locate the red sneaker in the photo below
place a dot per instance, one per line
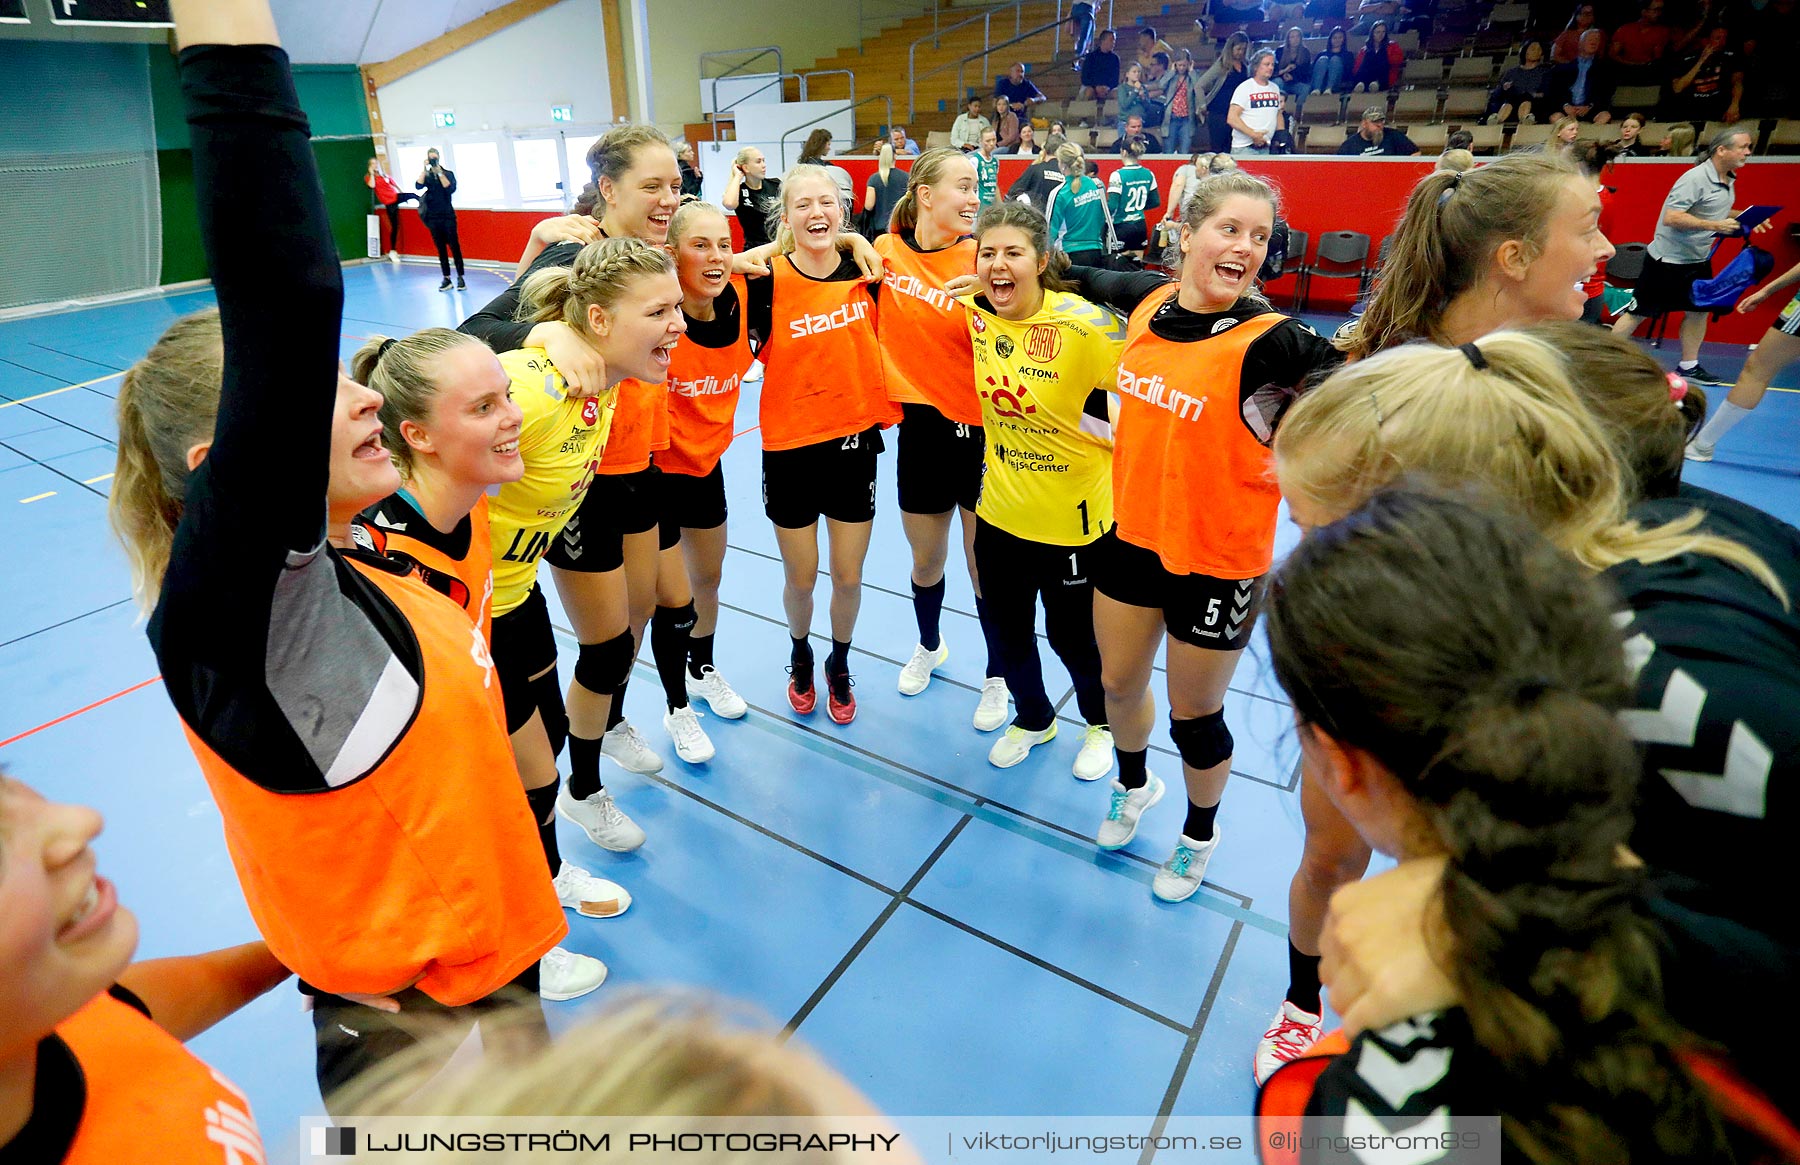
(803, 702)
(840, 701)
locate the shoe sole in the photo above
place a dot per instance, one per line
(565, 996)
(736, 714)
(696, 760)
(1022, 756)
(1134, 827)
(640, 772)
(1161, 897)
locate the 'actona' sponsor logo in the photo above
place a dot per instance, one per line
(830, 321)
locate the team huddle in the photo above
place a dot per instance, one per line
(1498, 562)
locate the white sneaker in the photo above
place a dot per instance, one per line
(691, 742)
(1127, 806)
(606, 825)
(1095, 759)
(916, 675)
(718, 694)
(589, 896)
(754, 374)
(1289, 1035)
(991, 712)
(1016, 743)
(1697, 452)
(625, 748)
(567, 975)
(393, 256)
(1181, 875)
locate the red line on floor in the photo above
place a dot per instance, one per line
(76, 712)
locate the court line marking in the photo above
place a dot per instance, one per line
(77, 712)
(42, 464)
(64, 622)
(37, 497)
(1178, 1079)
(92, 480)
(58, 391)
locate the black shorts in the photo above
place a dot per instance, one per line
(1667, 287)
(940, 462)
(1215, 613)
(617, 504)
(833, 479)
(693, 503)
(524, 645)
(1132, 236)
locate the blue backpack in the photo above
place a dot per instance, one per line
(1750, 266)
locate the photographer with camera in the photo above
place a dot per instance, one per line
(439, 217)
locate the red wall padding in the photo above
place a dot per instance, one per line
(1319, 194)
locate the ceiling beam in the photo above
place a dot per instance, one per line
(612, 31)
(461, 37)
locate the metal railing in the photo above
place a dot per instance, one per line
(986, 18)
(962, 63)
(757, 53)
(827, 73)
(831, 113)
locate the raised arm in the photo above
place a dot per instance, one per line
(1120, 290)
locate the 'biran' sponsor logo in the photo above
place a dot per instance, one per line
(830, 321)
(1042, 343)
(1157, 391)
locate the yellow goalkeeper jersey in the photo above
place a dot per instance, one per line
(1043, 384)
(561, 444)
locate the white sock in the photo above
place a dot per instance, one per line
(1687, 365)
(1720, 423)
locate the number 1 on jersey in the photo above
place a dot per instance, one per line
(1082, 506)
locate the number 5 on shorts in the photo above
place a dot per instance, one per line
(1212, 611)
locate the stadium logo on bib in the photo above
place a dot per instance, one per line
(1043, 342)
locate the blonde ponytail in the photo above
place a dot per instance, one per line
(599, 276)
(404, 372)
(168, 403)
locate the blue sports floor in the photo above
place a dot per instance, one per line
(945, 932)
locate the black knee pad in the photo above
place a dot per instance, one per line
(679, 620)
(547, 695)
(602, 668)
(1202, 742)
(543, 802)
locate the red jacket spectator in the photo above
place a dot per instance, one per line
(1396, 58)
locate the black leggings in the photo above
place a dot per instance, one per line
(351, 1038)
(393, 213)
(1014, 573)
(443, 233)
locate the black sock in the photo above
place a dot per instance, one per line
(928, 606)
(543, 811)
(992, 637)
(838, 662)
(1200, 821)
(800, 662)
(669, 629)
(1132, 773)
(1303, 980)
(700, 655)
(584, 767)
(616, 713)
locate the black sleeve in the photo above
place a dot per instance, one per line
(1120, 290)
(450, 189)
(495, 324)
(759, 312)
(1283, 363)
(1022, 185)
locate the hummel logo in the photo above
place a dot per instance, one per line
(386, 523)
(351, 1032)
(1223, 325)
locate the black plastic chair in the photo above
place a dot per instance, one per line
(1295, 263)
(1341, 255)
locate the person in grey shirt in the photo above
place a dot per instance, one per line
(1697, 209)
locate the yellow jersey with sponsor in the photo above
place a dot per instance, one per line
(1043, 383)
(561, 445)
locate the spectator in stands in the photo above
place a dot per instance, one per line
(1006, 125)
(1294, 69)
(689, 165)
(1379, 63)
(1334, 64)
(752, 194)
(884, 190)
(1134, 98)
(1521, 87)
(1568, 42)
(1697, 209)
(1563, 140)
(1582, 89)
(965, 134)
(1460, 139)
(1026, 146)
(1286, 13)
(1100, 68)
(1702, 17)
(1631, 143)
(1256, 109)
(1218, 84)
(1135, 129)
(901, 143)
(1374, 139)
(1370, 13)
(1638, 48)
(1018, 89)
(1709, 83)
(1057, 125)
(817, 152)
(1150, 42)
(1040, 179)
(1456, 161)
(1081, 29)
(1182, 97)
(1237, 11)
